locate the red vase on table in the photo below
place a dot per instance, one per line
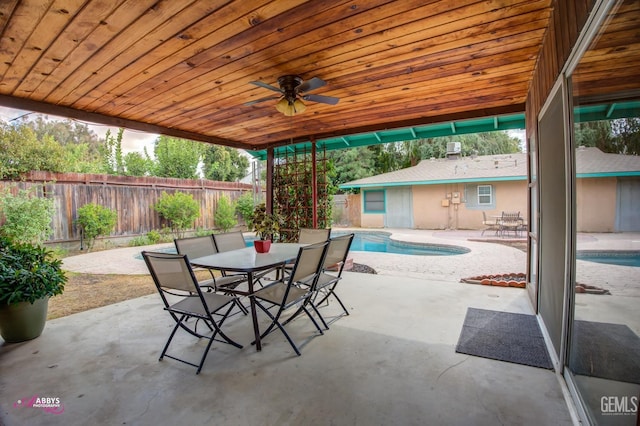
(262, 246)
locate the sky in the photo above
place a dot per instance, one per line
(132, 141)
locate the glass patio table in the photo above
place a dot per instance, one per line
(250, 262)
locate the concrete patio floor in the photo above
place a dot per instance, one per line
(391, 362)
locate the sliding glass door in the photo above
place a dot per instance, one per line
(603, 362)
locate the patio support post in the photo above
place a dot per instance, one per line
(314, 184)
(269, 189)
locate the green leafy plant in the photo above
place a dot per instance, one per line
(225, 217)
(244, 207)
(266, 225)
(140, 240)
(28, 272)
(96, 220)
(27, 216)
(179, 209)
(154, 237)
(202, 232)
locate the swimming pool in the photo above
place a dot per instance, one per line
(382, 243)
(611, 257)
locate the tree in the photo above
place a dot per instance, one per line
(111, 152)
(177, 158)
(224, 164)
(96, 220)
(179, 209)
(626, 135)
(225, 215)
(352, 163)
(21, 151)
(81, 145)
(136, 164)
(79, 160)
(244, 208)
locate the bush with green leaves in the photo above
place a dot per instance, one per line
(202, 232)
(225, 215)
(27, 216)
(154, 237)
(244, 207)
(96, 220)
(28, 272)
(179, 209)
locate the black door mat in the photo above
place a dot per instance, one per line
(504, 336)
(605, 350)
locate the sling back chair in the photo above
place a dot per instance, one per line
(287, 293)
(173, 277)
(331, 273)
(312, 236)
(228, 241)
(195, 247)
(309, 236)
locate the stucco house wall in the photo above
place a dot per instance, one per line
(445, 192)
(435, 206)
(596, 204)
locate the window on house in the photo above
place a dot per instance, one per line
(374, 201)
(485, 195)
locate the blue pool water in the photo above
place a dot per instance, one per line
(380, 242)
(611, 257)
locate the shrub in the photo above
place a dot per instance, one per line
(28, 273)
(179, 209)
(27, 216)
(154, 237)
(201, 232)
(140, 240)
(244, 207)
(96, 220)
(225, 216)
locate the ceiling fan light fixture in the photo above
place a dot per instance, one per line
(299, 106)
(282, 105)
(290, 108)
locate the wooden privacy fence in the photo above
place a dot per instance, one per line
(131, 197)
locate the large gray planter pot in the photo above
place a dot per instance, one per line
(23, 321)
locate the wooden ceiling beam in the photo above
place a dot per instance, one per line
(90, 117)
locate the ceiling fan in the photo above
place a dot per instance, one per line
(293, 89)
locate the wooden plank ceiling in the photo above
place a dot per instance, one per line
(184, 68)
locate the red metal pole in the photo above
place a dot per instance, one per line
(269, 189)
(314, 184)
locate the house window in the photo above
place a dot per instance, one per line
(374, 201)
(485, 195)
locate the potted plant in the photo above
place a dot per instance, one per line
(267, 226)
(29, 275)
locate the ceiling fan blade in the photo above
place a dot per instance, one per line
(269, 98)
(312, 84)
(322, 99)
(266, 86)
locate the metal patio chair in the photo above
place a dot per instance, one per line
(293, 292)
(195, 247)
(309, 236)
(510, 221)
(490, 224)
(312, 235)
(173, 277)
(227, 241)
(331, 273)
